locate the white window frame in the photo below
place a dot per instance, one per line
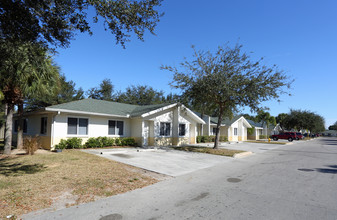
(77, 127)
(184, 131)
(170, 134)
(116, 135)
(235, 132)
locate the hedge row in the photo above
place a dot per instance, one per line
(99, 142)
(205, 139)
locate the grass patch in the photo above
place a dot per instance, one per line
(207, 150)
(266, 142)
(29, 183)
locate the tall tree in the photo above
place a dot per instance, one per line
(64, 91)
(25, 71)
(302, 119)
(265, 118)
(141, 95)
(227, 80)
(2, 110)
(51, 23)
(333, 127)
(55, 22)
(103, 92)
(250, 117)
(281, 119)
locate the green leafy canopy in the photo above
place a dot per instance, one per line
(227, 80)
(55, 22)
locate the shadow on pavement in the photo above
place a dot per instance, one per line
(331, 170)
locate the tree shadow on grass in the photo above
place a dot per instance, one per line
(18, 169)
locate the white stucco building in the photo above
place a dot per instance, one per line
(151, 125)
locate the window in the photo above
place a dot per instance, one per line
(72, 125)
(182, 129)
(25, 122)
(43, 127)
(116, 127)
(83, 126)
(16, 125)
(235, 131)
(214, 131)
(165, 129)
(78, 126)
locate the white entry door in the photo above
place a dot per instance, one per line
(235, 134)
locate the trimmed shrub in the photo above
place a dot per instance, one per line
(106, 141)
(118, 142)
(92, 143)
(261, 136)
(128, 142)
(61, 145)
(74, 143)
(223, 138)
(99, 142)
(31, 144)
(71, 143)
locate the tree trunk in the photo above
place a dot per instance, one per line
(19, 144)
(9, 127)
(217, 134)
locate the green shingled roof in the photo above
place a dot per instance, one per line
(255, 124)
(106, 107)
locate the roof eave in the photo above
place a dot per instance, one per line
(194, 116)
(85, 113)
(157, 110)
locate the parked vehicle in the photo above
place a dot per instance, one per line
(299, 136)
(290, 136)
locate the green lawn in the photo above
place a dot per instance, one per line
(29, 183)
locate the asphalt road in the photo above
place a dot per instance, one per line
(291, 182)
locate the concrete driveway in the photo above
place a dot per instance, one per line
(247, 146)
(169, 162)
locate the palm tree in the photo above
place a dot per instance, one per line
(27, 69)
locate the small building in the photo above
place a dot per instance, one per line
(330, 133)
(234, 129)
(149, 125)
(257, 130)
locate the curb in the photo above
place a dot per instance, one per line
(243, 154)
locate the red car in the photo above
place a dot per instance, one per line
(299, 136)
(290, 136)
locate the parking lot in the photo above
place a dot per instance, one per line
(173, 162)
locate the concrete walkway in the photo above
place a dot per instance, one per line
(168, 161)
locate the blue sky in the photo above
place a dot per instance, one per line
(300, 36)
